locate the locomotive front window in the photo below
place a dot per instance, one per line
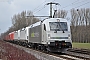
(58, 26)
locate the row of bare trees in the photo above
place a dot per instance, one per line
(20, 21)
(61, 14)
(80, 25)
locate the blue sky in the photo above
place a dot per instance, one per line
(10, 7)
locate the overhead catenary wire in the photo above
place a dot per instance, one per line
(40, 9)
(78, 5)
(74, 3)
(70, 4)
(82, 4)
(38, 6)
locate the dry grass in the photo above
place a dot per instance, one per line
(81, 45)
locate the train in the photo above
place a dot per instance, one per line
(52, 34)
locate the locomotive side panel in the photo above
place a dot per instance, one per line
(22, 35)
(35, 34)
(15, 35)
(12, 36)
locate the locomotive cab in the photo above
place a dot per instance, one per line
(57, 34)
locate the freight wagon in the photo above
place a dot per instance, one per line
(11, 36)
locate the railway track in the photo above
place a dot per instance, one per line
(66, 56)
(59, 56)
(78, 55)
(81, 51)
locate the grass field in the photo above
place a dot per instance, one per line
(81, 45)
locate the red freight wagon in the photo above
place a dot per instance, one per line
(11, 36)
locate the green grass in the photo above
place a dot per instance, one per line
(81, 45)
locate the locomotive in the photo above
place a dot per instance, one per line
(52, 34)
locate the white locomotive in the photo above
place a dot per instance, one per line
(51, 34)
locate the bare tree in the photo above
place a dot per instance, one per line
(61, 14)
(20, 21)
(80, 25)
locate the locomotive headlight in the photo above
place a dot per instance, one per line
(68, 36)
(49, 36)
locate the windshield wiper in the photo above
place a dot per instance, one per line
(61, 28)
(55, 31)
